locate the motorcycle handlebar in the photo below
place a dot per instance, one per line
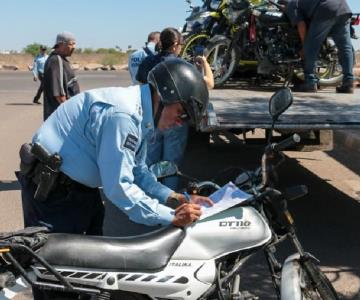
(290, 141)
(276, 147)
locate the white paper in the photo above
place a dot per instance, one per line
(229, 195)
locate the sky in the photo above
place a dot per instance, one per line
(95, 23)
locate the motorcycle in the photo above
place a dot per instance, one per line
(261, 38)
(202, 23)
(201, 261)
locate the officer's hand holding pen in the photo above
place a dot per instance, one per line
(196, 199)
(190, 209)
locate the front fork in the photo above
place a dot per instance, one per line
(274, 265)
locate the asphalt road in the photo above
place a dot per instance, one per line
(327, 219)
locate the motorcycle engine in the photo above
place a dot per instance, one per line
(280, 46)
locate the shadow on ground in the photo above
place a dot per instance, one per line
(339, 153)
(9, 185)
(23, 104)
(327, 220)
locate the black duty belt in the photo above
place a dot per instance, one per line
(43, 169)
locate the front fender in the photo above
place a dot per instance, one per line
(290, 278)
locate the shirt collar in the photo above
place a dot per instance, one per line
(147, 124)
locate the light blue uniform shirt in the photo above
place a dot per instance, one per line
(39, 64)
(136, 58)
(101, 136)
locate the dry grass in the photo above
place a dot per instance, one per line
(19, 60)
(22, 61)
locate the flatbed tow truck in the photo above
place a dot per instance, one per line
(313, 115)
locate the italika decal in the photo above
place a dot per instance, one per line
(180, 264)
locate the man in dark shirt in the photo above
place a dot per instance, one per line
(315, 20)
(60, 82)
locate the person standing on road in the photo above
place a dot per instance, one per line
(315, 20)
(138, 56)
(60, 82)
(38, 71)
(170, 144)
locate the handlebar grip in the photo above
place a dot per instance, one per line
(290, 141)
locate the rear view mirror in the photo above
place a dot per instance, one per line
(279, 102)
(164, 169)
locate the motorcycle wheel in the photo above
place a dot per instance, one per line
(223, 60)
(191, 42)
(329, 73)
(316, 285)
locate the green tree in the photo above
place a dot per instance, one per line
(112, 51)
(32, 49)
(102, 50)
(88, 51)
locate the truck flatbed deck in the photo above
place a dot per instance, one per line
(248, 109)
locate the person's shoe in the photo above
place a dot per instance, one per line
(345, 88)
(305, 88)
(36, 101)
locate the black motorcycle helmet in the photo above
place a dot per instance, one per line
(177, 81)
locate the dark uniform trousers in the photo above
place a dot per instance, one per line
(70, 208)
(41, 87)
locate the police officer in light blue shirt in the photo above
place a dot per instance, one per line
(101, 136)
(138, 56)
(38, 71)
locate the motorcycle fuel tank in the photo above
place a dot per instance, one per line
(232, 230)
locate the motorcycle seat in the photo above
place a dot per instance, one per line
(147, 252)
(274, 18)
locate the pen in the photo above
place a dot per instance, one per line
(187, 196)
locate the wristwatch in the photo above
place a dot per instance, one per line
(173, 201)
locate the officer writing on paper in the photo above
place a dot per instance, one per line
(100, 139)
